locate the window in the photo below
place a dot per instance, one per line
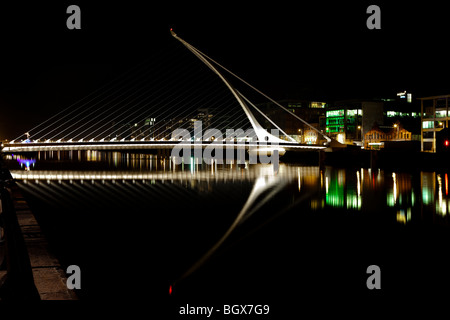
(317, 104)
(428, 124)
(352, 113)
(409, 97)
(335, 113)
(391, 114)
(441, 113)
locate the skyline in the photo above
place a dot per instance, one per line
(282, 50)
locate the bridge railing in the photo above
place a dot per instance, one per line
(18, 283)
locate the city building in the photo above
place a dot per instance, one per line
(350, 121)
(313, 112)
(434, 118)
(405, 110)
(375, 138)
(344, 121)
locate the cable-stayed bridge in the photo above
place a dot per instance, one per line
(171, 100)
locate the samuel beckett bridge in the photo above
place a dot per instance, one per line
(170, 100)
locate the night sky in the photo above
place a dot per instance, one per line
(287, 49)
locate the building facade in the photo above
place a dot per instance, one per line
(310, 111)
(382, 113)
(344, 122)
(375, 138)
(434, 118)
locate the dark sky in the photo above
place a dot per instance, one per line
(284, 48)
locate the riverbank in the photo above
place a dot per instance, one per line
(46, 272)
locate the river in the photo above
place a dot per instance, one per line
(138, 226)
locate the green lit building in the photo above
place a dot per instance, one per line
(344, 123)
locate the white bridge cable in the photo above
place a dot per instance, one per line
(225, 118)
(108, 109)
(120, 77)
(84, 125)
(65, 116)
(186, 117)
(139, 116)
(266, 117)
(227, 102)
(162, 104)
(121, 128)
(90, 115)
(263, 94)
(215, 115)
(80, 114)
(239, 121)
(242, 120)
(259, 130)
(220, 117)
(211, 107)
(71, 124)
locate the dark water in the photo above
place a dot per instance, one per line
(240, 234)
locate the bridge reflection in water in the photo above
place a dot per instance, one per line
(200, 221)
(351, 189)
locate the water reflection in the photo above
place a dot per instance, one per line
(404, 193)
(345, 189)
(196, 209)
(25, 162)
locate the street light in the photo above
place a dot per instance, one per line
(396, 126)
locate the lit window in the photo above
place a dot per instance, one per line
(335, 113)
(409, 97)
(317, 104)
(352, 113)
(428, 124)
(391, 114)
(441, 113)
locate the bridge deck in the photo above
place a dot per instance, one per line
(143, 145)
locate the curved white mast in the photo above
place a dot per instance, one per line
(260, 132)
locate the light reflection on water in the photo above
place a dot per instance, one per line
(192, 210)
(406, 194)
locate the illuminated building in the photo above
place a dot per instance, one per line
(312, 111)
(375, 138)
(343, 123)
(434, 118)
(346, 128)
